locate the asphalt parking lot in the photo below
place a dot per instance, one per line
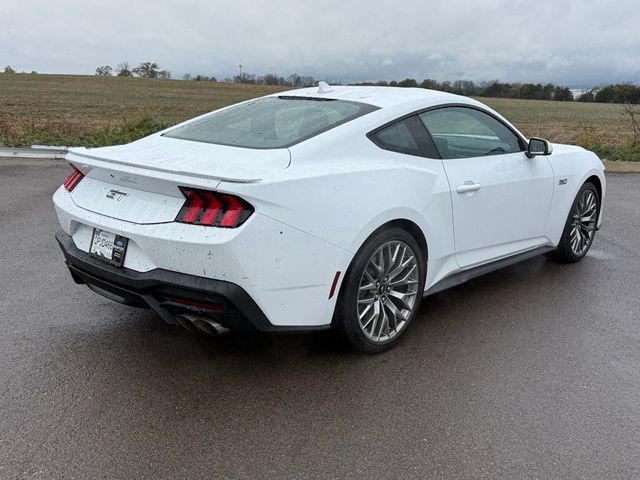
(530, 372)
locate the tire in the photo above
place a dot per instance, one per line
(387, 275)
(580, 227)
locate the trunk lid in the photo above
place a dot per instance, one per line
(138, 182)
(203, 160)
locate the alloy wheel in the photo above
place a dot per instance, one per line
(583, 222)
(388, 291)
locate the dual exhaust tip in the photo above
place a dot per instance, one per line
(197, 323)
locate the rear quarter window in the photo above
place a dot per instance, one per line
(408, 136)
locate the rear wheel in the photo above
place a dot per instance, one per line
(381, 292)
(580, 227)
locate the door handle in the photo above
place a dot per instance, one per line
(468, 187)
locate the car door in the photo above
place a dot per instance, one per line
(500, 197)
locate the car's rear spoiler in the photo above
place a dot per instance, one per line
(81, 158)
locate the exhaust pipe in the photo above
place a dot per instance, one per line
(195, 323)
(185, 322)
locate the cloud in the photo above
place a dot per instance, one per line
(571, 42)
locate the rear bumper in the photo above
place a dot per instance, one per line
(159, 289)
(285, 271)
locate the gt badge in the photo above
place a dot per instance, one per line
(116, 195)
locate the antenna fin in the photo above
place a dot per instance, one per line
(324, 87)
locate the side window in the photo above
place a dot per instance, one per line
(461, 132)
(407, 136)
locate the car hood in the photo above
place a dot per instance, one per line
(206, 160)
(563, 148)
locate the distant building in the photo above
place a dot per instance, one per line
(578, 92)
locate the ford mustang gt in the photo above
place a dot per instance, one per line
(328, 207)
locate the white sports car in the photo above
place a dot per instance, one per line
(323, 207)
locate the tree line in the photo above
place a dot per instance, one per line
(292, 80)
(495, 88)
(614, 93)
(152, 70)
(617, 93)
(144, 70)
(10, 70)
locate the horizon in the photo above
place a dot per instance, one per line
(229, 79)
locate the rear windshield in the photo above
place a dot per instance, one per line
(273, 122)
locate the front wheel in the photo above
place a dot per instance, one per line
(580, 227)
(381, 292)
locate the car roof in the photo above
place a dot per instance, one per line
(382, 97)
(393, 103)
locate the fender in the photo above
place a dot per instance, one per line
(571, 171)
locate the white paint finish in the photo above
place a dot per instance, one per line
(317, 202)
(343, 193)
(127, 202)
(264, 257)
(80, 233)
(203, 160)
(509, 211)
(576, 165)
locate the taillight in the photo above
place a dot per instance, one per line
(213, 209)
(74, 179)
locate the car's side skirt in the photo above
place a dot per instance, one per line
(466, 275)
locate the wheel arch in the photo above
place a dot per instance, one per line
(563, 199)
(415, 231)
(409, 226)
(405, 224)
(597, 183)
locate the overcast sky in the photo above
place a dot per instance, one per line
(577, 43)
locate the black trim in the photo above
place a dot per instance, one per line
(466, 275)
(302, 97)
(150, 290)
(522, 140)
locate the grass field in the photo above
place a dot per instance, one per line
(600, 127)
(93, 111)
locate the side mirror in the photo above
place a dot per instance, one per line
(539, 146)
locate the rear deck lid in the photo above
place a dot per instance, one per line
(139, 182)
(197, 159)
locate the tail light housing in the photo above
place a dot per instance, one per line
(73, 180)
(213, 209)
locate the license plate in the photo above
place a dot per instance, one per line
(108, 246)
